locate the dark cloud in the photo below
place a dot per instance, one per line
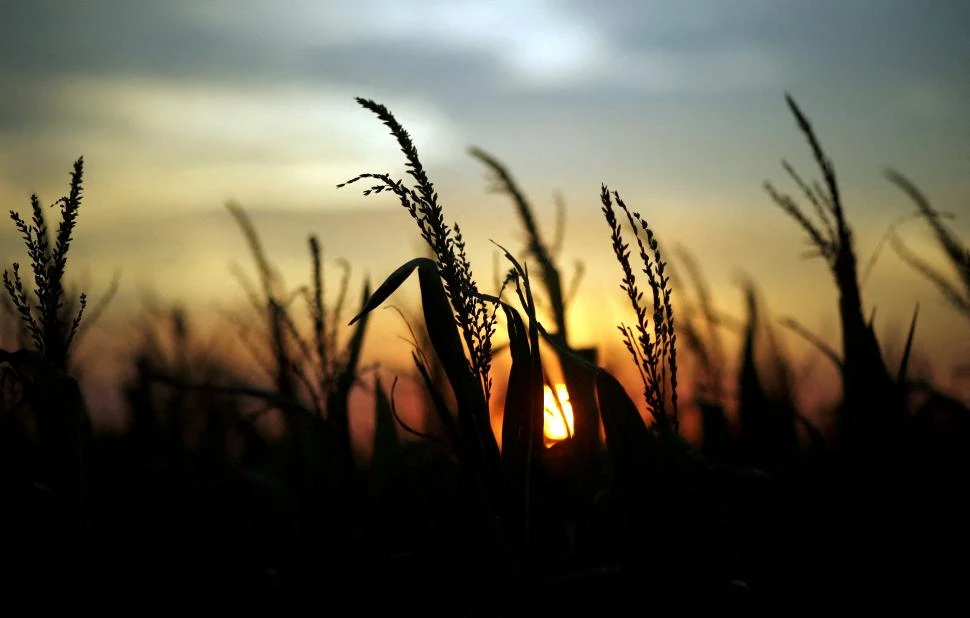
(725, 64)
(859, 42)
(832, 43)
(128, 39)
(406, 66)
(170, 40)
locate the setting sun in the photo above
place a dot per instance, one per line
(558, 414)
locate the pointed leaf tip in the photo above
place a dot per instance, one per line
(393, 281)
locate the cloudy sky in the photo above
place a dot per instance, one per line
(178, 106)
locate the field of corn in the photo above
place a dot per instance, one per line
(581, 496)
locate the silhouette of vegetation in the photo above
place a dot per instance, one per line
(958, 254)
(237, 476)
(580, 387)
(52, 329)
(38, 394)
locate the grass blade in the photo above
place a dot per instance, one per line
(392, 283)
(631, 445)
(904, 363)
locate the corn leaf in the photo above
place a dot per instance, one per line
(632, 447)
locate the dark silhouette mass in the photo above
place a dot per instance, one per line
(244, 487)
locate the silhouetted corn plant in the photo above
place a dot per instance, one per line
(768, 435)
(661, 479)
(698, 327)
(704, 340)
(51, 330)
(653, 350)
(165, 416)
(956, 294)
(52, 397)
(872, 412)
(316, 365)
(653, 466)
(459, 319)
(270, 300)
(578, 380)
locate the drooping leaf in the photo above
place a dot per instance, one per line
(392, 283)
(521, 429)
(475, 469)
(579, 368)
(442, 330)
(573, 355)
(534, 401)
(523, 420)
(632, 446)
(954, 249)
(440, 407)
(515, 431)
(474, 437)
(582, 396)
(473, 423)
(815, 340)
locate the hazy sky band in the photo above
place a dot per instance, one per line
(180, 105)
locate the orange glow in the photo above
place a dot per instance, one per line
(558, 414)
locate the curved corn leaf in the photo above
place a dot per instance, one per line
(515, 423)
(523, 421)
(472, 432)
(582, 395)
(482, 476)
(632, 447)
(574, 355)
(392, 283)
(474, 424)
(579, 368)
(531, 413)
(440, 407)
(524, 397)
(443, 333)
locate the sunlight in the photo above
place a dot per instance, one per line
(558, 414)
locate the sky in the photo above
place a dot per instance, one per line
(179, 106)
